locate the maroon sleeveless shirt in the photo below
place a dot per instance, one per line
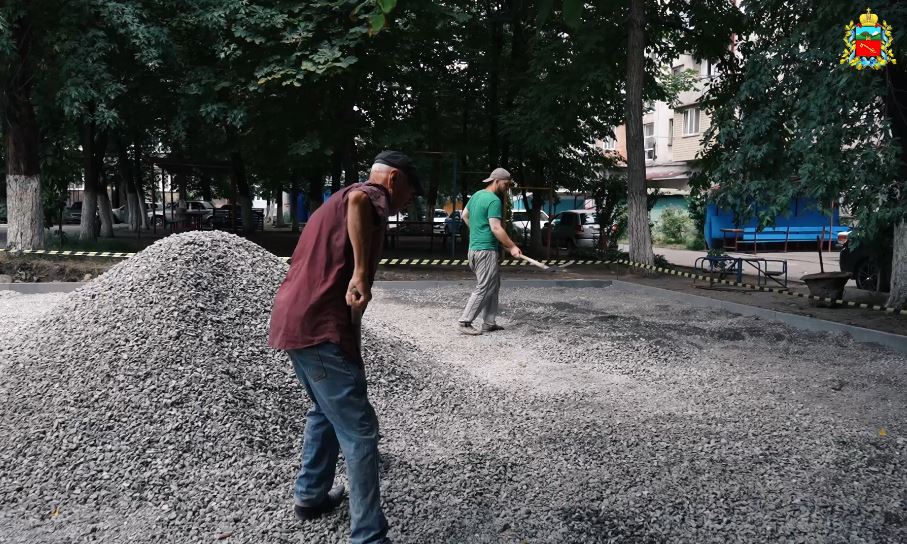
(310, 307)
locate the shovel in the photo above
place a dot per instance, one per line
(545, 267)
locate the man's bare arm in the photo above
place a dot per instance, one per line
(360, 217)
(497, 228)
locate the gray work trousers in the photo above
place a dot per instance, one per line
(484, 299)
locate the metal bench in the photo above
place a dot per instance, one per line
(723, 266)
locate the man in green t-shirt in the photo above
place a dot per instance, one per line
(483, 215)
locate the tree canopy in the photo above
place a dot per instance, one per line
(790, 120)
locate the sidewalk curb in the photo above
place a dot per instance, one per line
(889, 340)
(42, 288)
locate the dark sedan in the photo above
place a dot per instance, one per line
(868, 261)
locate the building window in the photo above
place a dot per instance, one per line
(609, 143)
(691, 121)
(648, 132)
(670, 132)
(677, 70)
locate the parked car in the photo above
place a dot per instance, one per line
(226, 216)
(393, 221)
(439, 219)
(869, 261)
(121, 214)
(572, 229)
(73, 212)
(522, 225)
(161, 217)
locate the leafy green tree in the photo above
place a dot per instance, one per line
(656, 33)
(828, 132)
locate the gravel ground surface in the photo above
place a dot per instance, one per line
(16, 308)
(146, 408)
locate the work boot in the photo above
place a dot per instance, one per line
(491, 328)
(466, 328)
(332, 501)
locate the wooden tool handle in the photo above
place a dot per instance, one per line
(533, 262)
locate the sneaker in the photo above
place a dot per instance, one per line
(492, 328)
(332, 501)
(466, 328)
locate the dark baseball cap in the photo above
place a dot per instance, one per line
(403, 163)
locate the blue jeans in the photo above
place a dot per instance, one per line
(341, 418)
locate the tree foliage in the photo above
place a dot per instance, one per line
(789, 121)
(302, 94)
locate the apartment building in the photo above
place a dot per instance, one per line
(673, 133)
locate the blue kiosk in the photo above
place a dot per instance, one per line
(803, 223)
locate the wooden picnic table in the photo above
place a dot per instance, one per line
(735, 232)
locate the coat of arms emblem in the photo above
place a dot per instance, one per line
(868, 44)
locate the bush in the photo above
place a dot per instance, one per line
(675, 226)
(696, 243)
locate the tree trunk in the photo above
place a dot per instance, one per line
(497, 45)
(205, 182)
(138, 184)
(182, 184)
(638, 212)
(314, 194)
(93, 146)
(519, 66)
(336, 170)
(125, 176)
(244, 194)
(896, 104)
(434, 180)
(133, 210)
(535, 222)
(294, 203)
(350, 162)
(898, 295)
(116, 193)
(25, 212)
(351, 121)
(105, 212)
(278, 221)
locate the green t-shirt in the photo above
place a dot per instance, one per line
(482, 206)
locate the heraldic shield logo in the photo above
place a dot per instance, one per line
(868, 44)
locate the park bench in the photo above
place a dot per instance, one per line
(781, 235)
(722, 266)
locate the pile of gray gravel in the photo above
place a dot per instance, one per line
(146, 403)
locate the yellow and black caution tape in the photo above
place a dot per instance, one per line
(561, 263)
(69, 253)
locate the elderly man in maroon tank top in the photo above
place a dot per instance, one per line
(330, 279)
